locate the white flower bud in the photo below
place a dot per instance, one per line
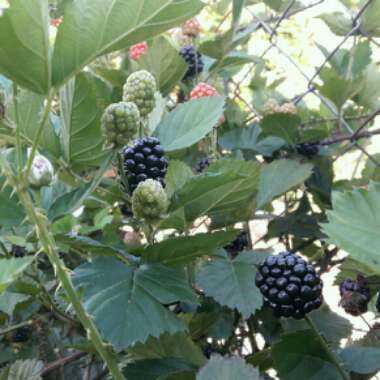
(41, 173)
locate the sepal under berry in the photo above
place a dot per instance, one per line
(149, 201)
(120, 123)
(290, 286)
(41, 172)
(140, 88)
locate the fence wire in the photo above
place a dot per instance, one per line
(271, 27)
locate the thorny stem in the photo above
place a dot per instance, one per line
(18, 133)
(327, 349)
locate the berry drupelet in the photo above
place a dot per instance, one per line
(194, 61)
(238, 245)
(145, 159)
(308, 149)
(355, 295)
(290, 286)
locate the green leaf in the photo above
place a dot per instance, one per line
(232, 368)
(95, 27)
(164, 62)
(12, 268)
(178, 346)
(337, 89)
(363, 360)
(9, 300)
(177, 175)
(25, 370)
(30, 110)
(369, 94)
(237, 9)
(369, 25)
(158, 369)
(190, 122)
(11, 212)
(283, 125)
(24, 44)
(219, 189)
(331, 325)
(301, 356)
(279, 177)
(184, 249)
(125, 302)
(354, 224)
(248, 138)
(338, 23)
(82, 105)
(232, 282)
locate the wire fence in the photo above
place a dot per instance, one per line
(271, 27)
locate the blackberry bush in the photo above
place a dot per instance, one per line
(355, 295)
(140, 88)
(145, 159)
(194, 61)
(120, 124)
(290, 286)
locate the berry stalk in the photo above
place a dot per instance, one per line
(327, 349)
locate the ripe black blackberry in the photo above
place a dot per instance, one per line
(21, 335)
(194, 61)
(145, 159)
(202, 165)
(290, 286)
(238, 245)
(125, 210)
(308, 149)
(355, 295)
(19, 251)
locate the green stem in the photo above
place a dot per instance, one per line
(18, 134)
(38, 134)
(15, 327)
(327, 349)
(48, 243)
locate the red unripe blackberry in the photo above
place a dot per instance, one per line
(290, 286)
(194, 61)
(202, 90)
(145, 159)
(191, 28)
(137, 50)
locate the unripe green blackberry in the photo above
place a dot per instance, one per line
(120, 123)
(149, 201)
(140, 89)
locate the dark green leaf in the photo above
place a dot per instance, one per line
(126, 303)
(95, 27)
(184, 249)
(24, 44)
(283, 125)
(190, 122)
(232, 282)
(10, 269)
(363, 360)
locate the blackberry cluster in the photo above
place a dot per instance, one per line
(290, 286)
(238, 245)
(355, 295)
(21, 335)
(194, 61)
(145, 159)
(202, 165)
(308, 149)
